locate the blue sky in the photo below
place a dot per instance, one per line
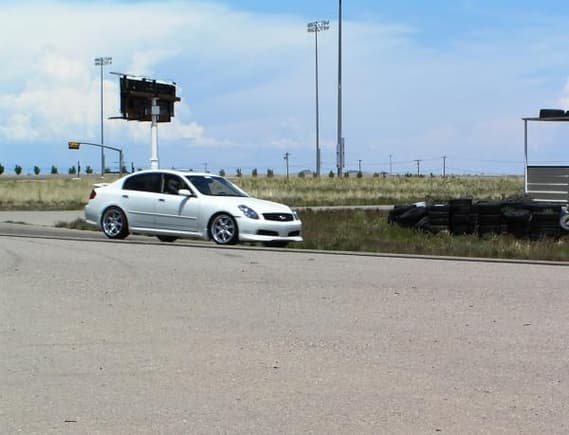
(421, 80)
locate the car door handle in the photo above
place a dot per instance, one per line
(161, 200)
(125, 196)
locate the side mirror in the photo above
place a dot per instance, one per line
(185, 192)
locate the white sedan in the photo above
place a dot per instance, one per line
(174, 204)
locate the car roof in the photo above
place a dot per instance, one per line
(175, 171)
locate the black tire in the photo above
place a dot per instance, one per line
(489, 207)
(458, 219)
(564, 222)
(423, 224)
(397, 211)
(223, 229)
(412, 216)
(167, 239)
(114, 223)
(521, 215)
(490, 219)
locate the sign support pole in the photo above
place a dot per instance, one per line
(155, 111)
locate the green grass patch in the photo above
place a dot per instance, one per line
(369, 231)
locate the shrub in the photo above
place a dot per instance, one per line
(239, 173)
(72, 170)
(254, 172)
(359, 175)
(222, 173)
(37, 170)
(54, 170)
(331, 174)
(89, 169)
(270, 173)
(1, 169)
(18, 169)
(301, 174)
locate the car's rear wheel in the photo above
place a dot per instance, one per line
(114, 223)
(168, 239)
(223, 229)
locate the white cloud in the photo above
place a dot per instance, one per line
(247, 81)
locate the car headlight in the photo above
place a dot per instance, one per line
(249, 212)
(295, 215)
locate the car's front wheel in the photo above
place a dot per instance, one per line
(114, 223)
(223, 229)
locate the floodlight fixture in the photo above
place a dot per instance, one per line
(317, 27)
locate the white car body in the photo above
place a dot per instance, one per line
(189, 212)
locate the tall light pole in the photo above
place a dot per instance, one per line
(102, 61)
(340, 145)
(317, 27)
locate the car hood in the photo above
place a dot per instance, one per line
(259, 205)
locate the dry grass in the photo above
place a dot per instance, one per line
(46, 193)
(66, 193)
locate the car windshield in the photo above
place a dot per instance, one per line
(214, 186)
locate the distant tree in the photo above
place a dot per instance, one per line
(1, 169)
(124, 169)
(72, 170)
(359, 175)
(54, 170)
(331, 174)
(108, 170)
(239, 173)
(301, 174)
(270, 173)
(254, 172)
(346, 174)
(222, 173)
(18, 169)
(37, 170)
(88, 169)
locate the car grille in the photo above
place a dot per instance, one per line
(280, 217)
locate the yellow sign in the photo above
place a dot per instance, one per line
(74, 145)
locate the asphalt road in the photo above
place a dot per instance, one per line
(119, 337)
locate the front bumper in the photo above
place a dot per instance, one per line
(253, 230)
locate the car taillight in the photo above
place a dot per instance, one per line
(92, 195)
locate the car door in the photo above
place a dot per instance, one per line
(176, 212)
(140, 194)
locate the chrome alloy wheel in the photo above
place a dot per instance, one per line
(114, 224)
(223, 229)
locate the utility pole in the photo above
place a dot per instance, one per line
(418, 167)
(390, 166)
(444, 166)
(286, 160)
(205, 167)
(360, 166)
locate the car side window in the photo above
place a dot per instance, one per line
(144, 183)
(173, 183)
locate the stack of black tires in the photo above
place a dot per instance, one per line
(530, 220)
(462, 218)
(490, 218)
